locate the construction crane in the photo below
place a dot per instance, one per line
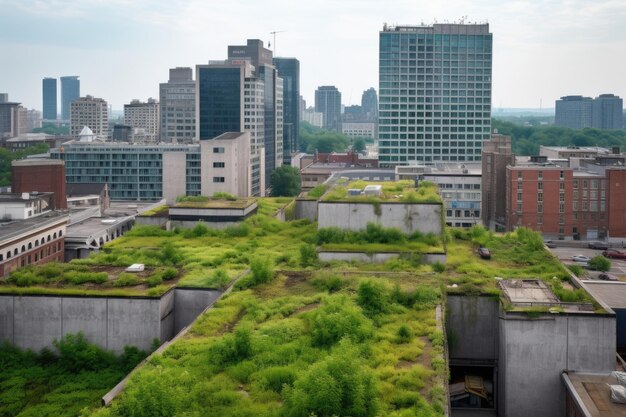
(274, 33)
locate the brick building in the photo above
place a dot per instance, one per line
(584, 203)
(43, 175)
(30, 233)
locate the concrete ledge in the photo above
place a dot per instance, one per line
(378, 257)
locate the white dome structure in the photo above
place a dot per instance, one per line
(86, 135)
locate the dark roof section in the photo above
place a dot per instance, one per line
(74, 190)
(229, 135)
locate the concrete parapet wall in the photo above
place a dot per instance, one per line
(408, 217)
(306, 209)
(34, 322)
(376, 257)
(472, 326)
(534, 352)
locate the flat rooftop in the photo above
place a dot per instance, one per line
(520, 291)
(593, 393)
(93, 226)
(17, 198)
(12, 229)
(612, 293)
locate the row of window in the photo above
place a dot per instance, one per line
(31, 245)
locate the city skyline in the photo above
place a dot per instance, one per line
(541, 51)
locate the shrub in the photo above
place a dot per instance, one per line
(221, 195)
(233, 348)
(25, 278)
(373, 297)
(262, 270)
(170, 255)
(600, 263)
(338, 386)
(318, 191)
(404, 334)
(169, 273)
(200, 229)
(154, 280)
(274, 378)
(76, 354)
(576, 270)
(308, 255)
(126, 279)
(219, 278)
(338, 317)
(77, 278)
(438, 267)
(327, 282)
(240, 230)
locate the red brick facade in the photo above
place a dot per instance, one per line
(616, 202)
(46, 177)
(561, 203)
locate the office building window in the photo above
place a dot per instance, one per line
(219, 179)
(218, 150)
(219, 164)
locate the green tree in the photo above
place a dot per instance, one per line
(6, 157)
(358, 145)
(285, 181)
(600, 263)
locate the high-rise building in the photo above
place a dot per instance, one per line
(328, 102)
(434, 93)
(49, 90)
(243, 93)
(34, 120)
(574, 112)
(91, 112)
(70, 91)
(577, 112)
(178, 106)
(369, 105)
(143, 118)
(9, 119)
(4, 97)
(608, 112)
(289, 71)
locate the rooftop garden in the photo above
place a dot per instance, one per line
(399, 191)
(295, 336)
(302, 344)
(218, 200)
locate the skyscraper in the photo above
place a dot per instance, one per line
(574, 112)
(289, 71)
(70, 91)
(608, 112)
(243, 93)
(91, 112)
(434, 93)
(328, 102)
(49, 94)
(369, 105)
(178, 106)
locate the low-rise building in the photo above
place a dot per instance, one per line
(30, 231)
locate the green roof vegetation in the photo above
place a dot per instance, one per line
(218, 200)
(159, 211)
(297, 336)
(69, 380)
(400, 191)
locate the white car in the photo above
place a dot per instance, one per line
(580, 258)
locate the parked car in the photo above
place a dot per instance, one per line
(549, 243)
(607, 277)
(614, 253)
(581, 258)
(484, 253)
(598, 245)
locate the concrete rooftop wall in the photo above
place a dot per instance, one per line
(34, 322)
(409, 218)
(534, 353)
(472, 327)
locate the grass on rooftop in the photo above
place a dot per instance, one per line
(399, 191)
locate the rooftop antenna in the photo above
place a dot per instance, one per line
(274, 33)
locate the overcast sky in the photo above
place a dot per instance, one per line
(543, 49)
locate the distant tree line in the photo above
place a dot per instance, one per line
(527, 139)
(313, 138)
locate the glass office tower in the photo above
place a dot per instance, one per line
(49, 90)
(289, 71)
(434, 93)
(70, 91)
